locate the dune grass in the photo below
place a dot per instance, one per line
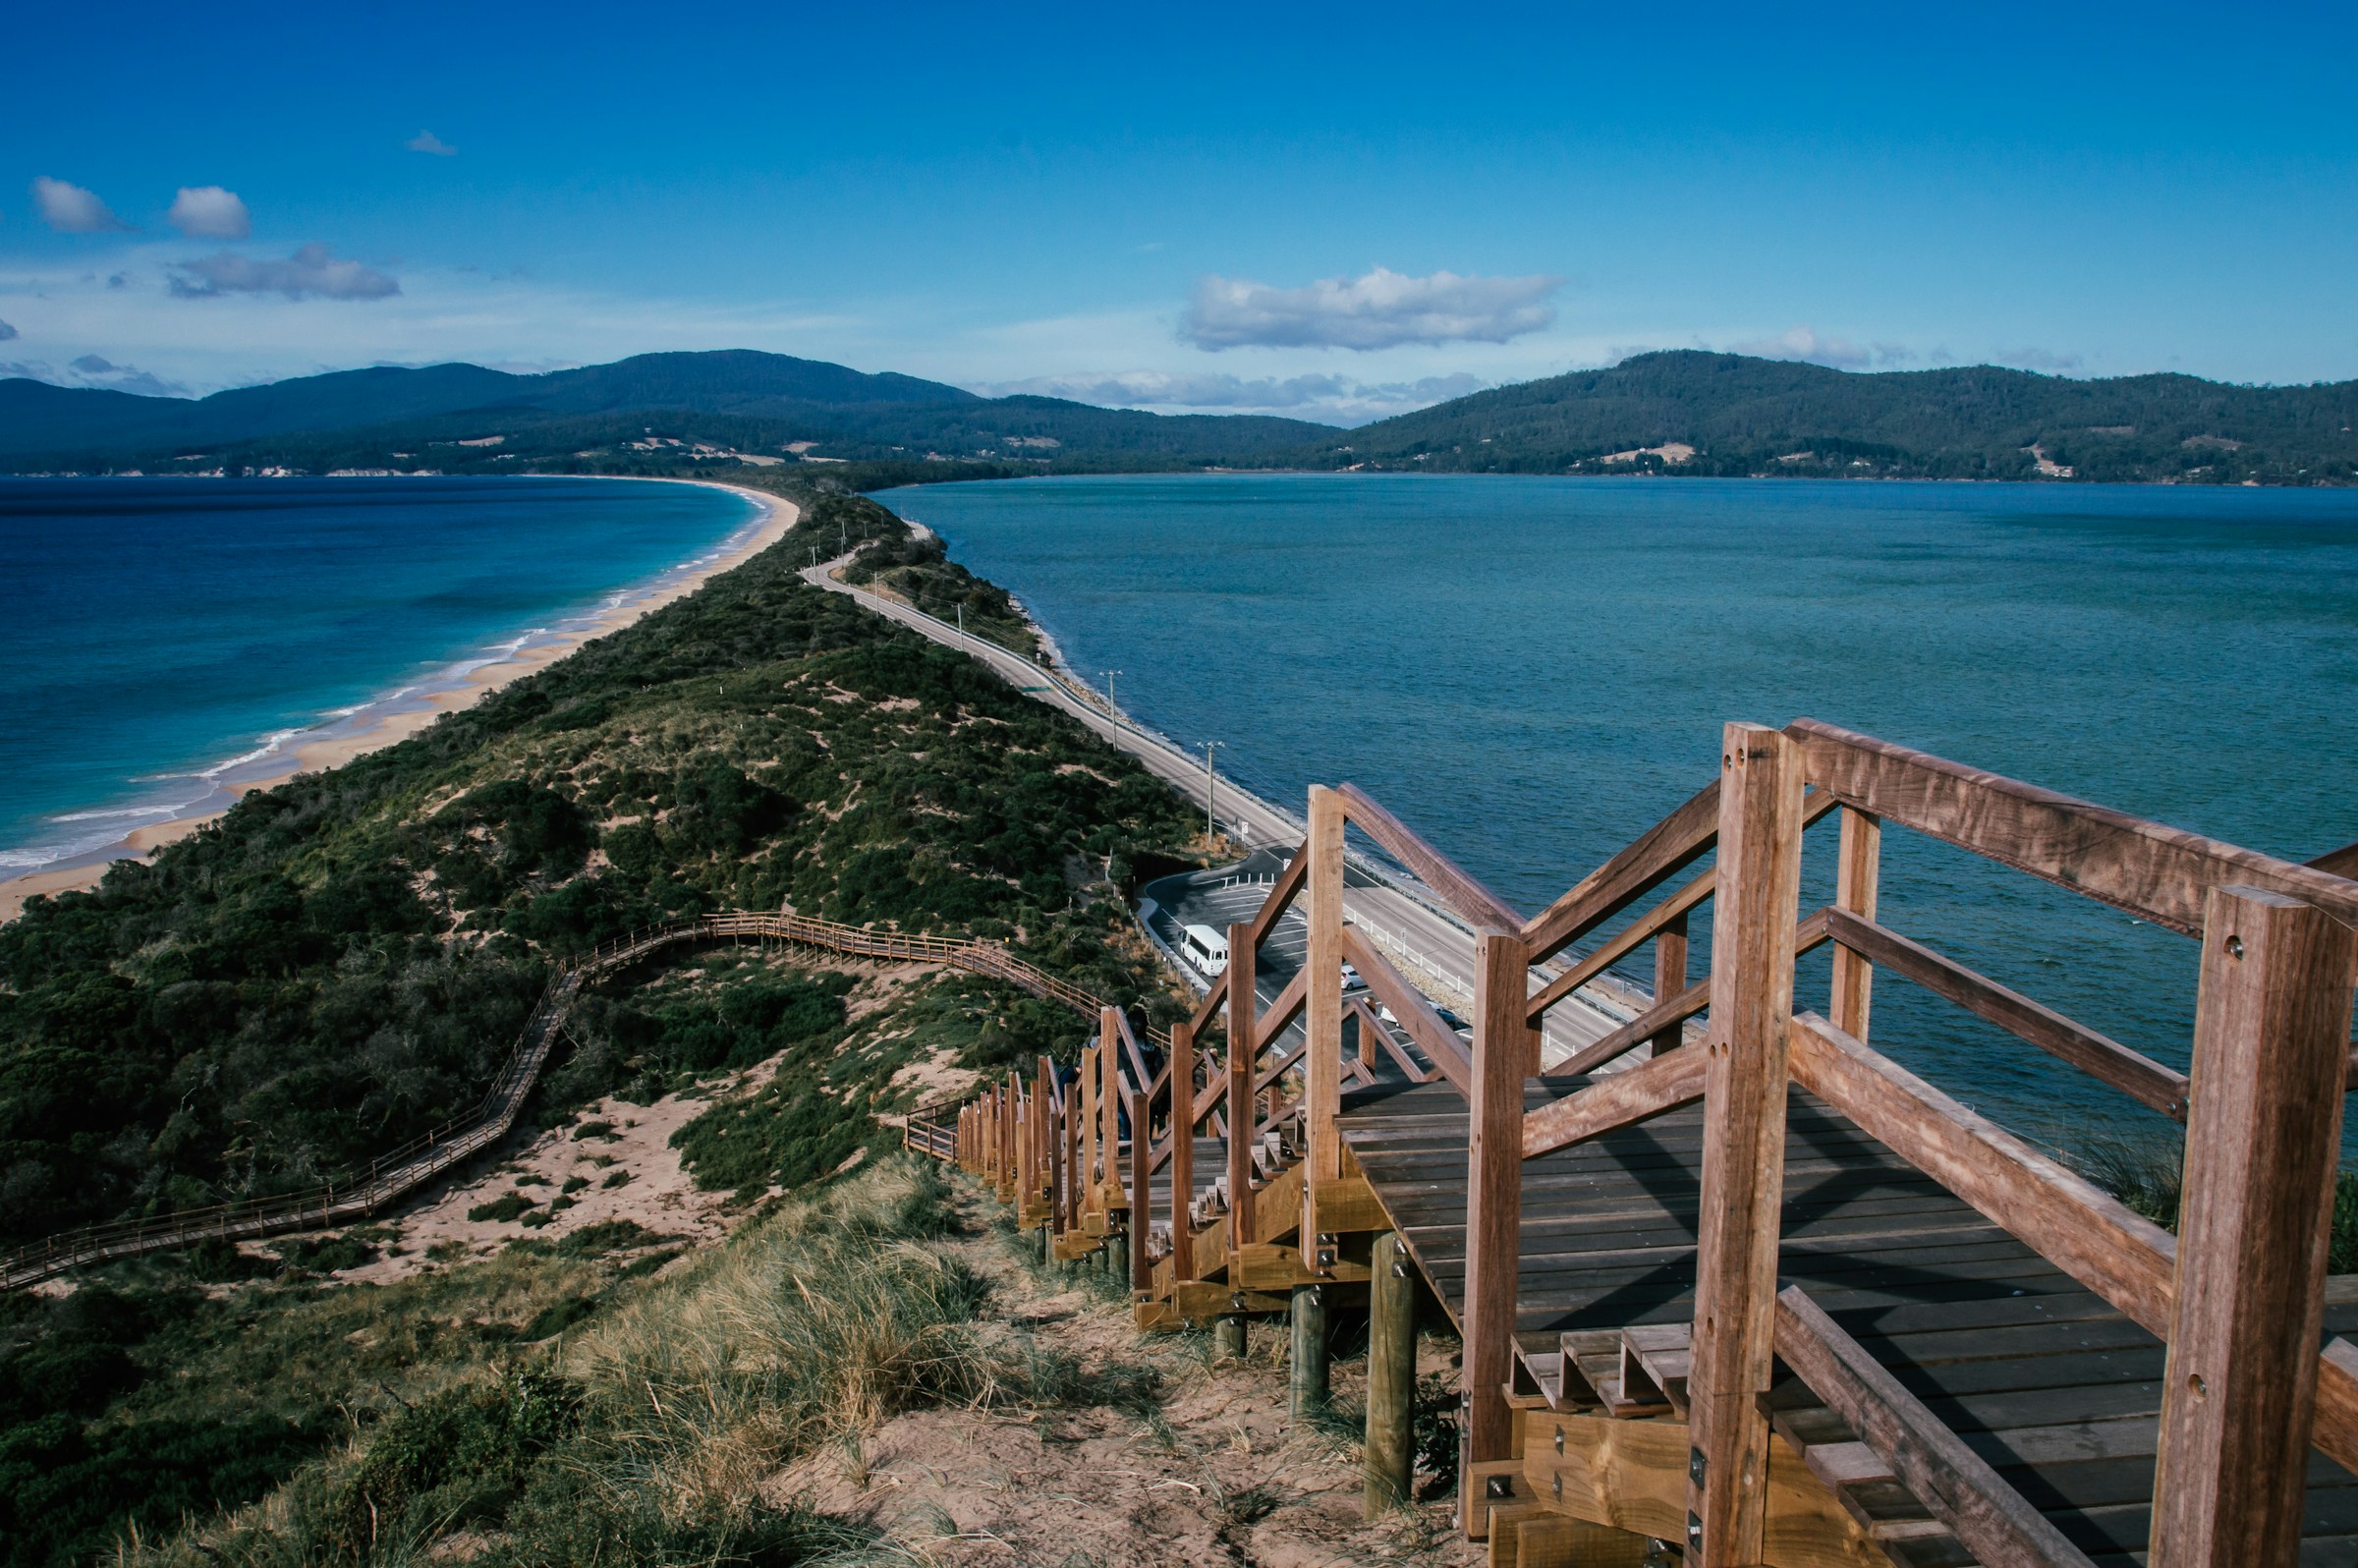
(647, 1435)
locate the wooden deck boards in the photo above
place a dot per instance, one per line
(2057, 1389)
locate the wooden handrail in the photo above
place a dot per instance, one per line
(1671, 845)
(1458, 888)
(1433, 1036)
(2137, 1075)
(2155, 872)
(1623, 943)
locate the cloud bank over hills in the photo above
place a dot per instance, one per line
(1382, 309)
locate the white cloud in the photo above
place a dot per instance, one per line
(6, 332)
(69, 209)
(311, 271)
(428, 142)
(1381, 311)
(208, 212)
(1807, 344)
(1332, 399)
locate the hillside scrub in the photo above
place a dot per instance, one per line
(645, 1437)
(342, 962)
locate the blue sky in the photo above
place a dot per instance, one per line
(1336, 213)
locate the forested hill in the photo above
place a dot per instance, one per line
(655, 413)
(1684, 412)
(1675, 413)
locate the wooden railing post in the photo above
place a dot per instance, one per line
(1390, 1454)
(1183, 1151)
(2263, 1142)
(1109, 1105)
(1043, 1130)
(1855, 879)
(1503, 1052)
(1142, 1161)
(1322, 1021)
(1670, 978)
(1754, 910)
(1244, 1024)
(1091, 1122)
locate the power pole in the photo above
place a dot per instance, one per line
(1111, 706)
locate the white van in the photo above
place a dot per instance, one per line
(1205, 948)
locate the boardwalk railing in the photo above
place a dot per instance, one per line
(394, 1175)
(1104, 1157)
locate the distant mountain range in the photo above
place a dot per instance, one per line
(1675, 412)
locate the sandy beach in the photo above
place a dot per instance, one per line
(334, 745)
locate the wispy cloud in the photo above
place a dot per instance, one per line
(95, 371)
(208, 212)
(2039, 359)
(6, 332)
(428, 142)
(69, 209)
(1382, 309)
(1809, 345)
(1333, 399)
(313, 272)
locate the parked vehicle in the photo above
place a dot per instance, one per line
(1205, 948)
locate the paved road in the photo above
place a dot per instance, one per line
(1430, 949)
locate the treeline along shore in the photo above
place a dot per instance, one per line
(343, 961)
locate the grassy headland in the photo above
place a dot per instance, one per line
(344, 961)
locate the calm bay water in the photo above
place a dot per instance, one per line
(1530, 671)
(152, 631)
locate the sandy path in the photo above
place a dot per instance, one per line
(419, 710)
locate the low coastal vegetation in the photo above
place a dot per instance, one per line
(344, 962)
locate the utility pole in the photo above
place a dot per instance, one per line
(1111, 706)
(1211, 785)
(961, 626)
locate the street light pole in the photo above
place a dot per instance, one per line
(1112, 706)
(1211, 785)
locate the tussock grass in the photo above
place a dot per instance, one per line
(650, 1436)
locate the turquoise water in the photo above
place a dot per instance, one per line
(1530, 671)
(163, 637)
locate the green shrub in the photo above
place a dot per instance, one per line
(501, 1209)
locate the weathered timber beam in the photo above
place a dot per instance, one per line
(1638, 1031)
(2057, 1212)
(1279, 1068)
(2155, 872)
(1458, 888)
(1208, 1009)
(1640, 931)
(2337, 1430)
(1283, 1009)
(1436, 1039)
(2139, 1077)
(1669, 847)
(2342, 861)
(1649, 1088)
(1383, 1036)
(1287, 888)
(1131, 1050)
(1665, 1016)
(1996, 1523)
(1677, 840)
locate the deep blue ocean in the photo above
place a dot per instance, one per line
(157, 635)
(1530, 671)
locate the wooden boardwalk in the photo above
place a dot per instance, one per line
(2054, 1388)
(1736, 1281)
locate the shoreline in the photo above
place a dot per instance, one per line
(397, 715)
